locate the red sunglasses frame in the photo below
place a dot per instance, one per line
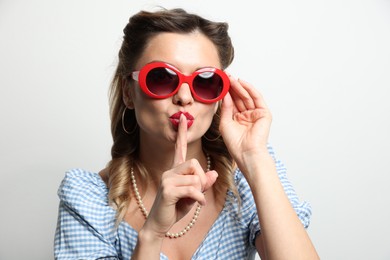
(141, 75)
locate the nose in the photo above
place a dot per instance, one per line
(183, 96)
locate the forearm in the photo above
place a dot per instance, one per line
(148, 246)
(283, 234)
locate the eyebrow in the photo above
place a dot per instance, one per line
(198, 68)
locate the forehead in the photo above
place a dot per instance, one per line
(185, 51)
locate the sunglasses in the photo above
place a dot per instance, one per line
(161, 80)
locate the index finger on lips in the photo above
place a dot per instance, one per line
(181, 142)
(190, 167)
(193, 167)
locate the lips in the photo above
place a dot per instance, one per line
(176, 117)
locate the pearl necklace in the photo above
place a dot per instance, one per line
(145, 212)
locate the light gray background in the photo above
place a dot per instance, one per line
(323, 67)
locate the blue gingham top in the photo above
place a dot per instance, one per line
(86, 222)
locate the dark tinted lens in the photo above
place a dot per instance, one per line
(208, 85)
(161, 81)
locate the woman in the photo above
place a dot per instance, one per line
(191, 174)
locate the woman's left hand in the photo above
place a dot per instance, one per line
(245, 122)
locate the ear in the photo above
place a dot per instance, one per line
(127, 94)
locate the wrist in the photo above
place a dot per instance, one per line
(147, 236)
(256, 164)
(148, 246)
(256, 154)
(255, 158)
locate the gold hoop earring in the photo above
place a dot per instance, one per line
(123, 123)
(212, 140)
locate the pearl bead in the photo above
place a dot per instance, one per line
(146, 213)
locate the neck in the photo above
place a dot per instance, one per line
(157, 157)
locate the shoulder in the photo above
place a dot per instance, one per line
(80, 185)
(86, 222)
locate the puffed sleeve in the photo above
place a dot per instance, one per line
(86, 223)
(302, 208)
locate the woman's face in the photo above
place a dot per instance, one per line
(157, 117)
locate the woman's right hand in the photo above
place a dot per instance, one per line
(180, 188)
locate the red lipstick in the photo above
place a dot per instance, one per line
(175, 118)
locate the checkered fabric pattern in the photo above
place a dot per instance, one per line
(86, 222)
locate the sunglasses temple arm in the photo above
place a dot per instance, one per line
(135, 75)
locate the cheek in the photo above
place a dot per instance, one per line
(144, 111)
(208, 115)
(149, 113)
(147, 120)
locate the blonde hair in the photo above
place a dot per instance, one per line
(125, 149)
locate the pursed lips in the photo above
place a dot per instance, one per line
(176, 117)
